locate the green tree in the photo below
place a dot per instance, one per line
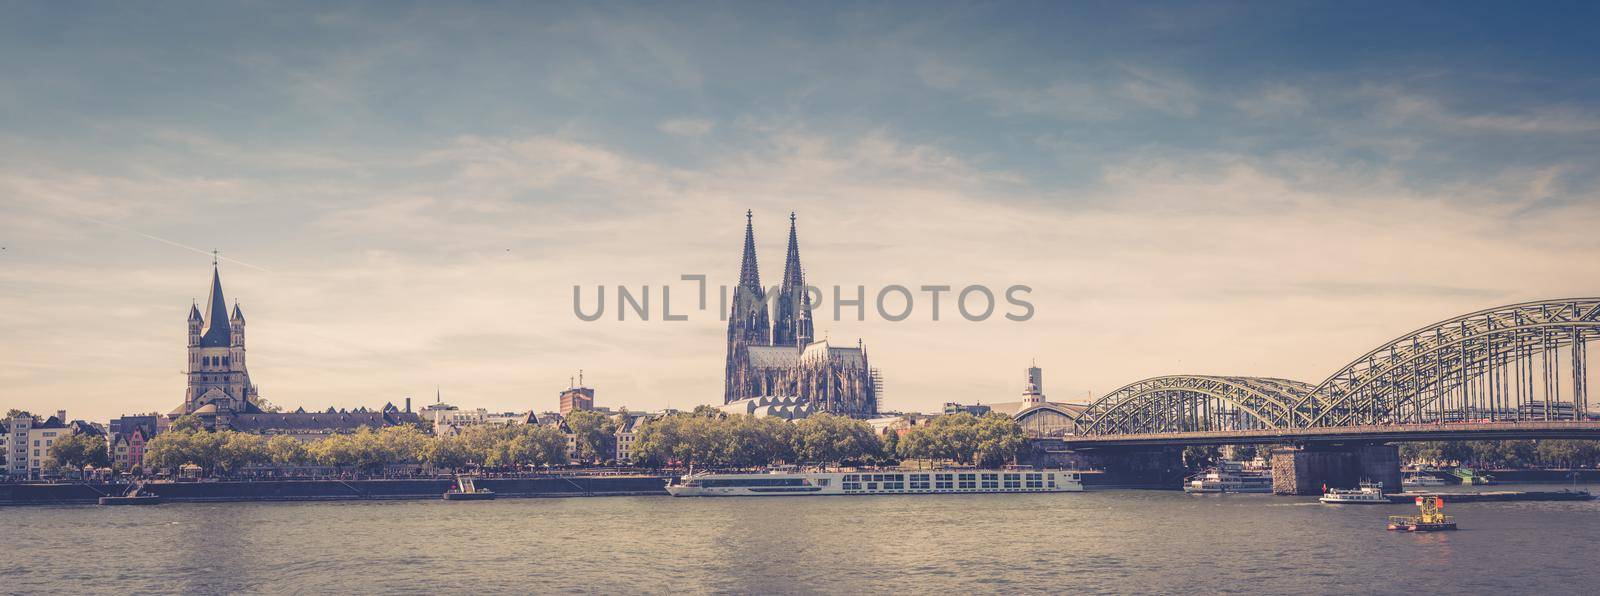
(595, 433)
(188, 422)
(76, 451)
(286, 451)
(828, 439)
(999, 440)
(1200, 456)
(235, 450)
(448, 453)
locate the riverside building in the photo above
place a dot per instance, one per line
(220, 392)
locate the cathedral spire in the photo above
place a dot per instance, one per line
(749, 275)
(793, 300)
(747, 319)
(217, 333)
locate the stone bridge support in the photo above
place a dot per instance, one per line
(1304, 470)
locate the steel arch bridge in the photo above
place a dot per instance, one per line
(1517, 363)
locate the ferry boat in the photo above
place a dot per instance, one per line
(1229, 477)
(1432, 518)
(1367, 494)
(886, 482)
(1422, 479)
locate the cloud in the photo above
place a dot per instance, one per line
(1275, 100)
(686, 127)
(1401, 107)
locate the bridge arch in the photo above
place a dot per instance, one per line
(1526, 361)
(1183, 403)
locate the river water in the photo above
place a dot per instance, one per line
(1122, 541)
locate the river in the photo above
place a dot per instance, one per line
(1114, 541)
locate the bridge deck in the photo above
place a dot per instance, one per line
(1382, 433)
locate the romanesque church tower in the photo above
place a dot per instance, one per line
(219, 383)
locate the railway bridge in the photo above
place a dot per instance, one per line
(1513, 372)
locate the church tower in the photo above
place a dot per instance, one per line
(218, 383)
(791, 323)
(747, 321)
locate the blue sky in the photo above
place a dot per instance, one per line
(407, 193)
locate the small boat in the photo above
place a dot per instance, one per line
(134, 496)
(467, 490)
(1368, 493)
(1432, 518)
(1229, 477)
(1422, 479)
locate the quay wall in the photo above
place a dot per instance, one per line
(333, 490)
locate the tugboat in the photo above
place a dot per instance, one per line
(1432, 519)
(467, 490)
(1369, 493)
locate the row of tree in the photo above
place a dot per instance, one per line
(1550, 453)
(707, 439)
(487, 446)
(704, 438)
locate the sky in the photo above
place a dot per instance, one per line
(405, 195)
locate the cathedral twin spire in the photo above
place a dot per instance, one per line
(791, 321)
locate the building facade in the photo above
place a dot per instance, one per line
(220, 393)
(30, 438)
(776, 357)
(577, 397)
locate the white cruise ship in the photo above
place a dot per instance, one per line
(875, 483)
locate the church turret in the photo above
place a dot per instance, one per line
(195, 323)
(236, 325)
(794, 302)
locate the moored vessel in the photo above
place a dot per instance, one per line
(1422, 479)
(876, 482)
(1368, 493)
(134, 496)
(1229, 477)
(466, 489)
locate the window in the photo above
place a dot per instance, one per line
(1035, 481)
(1013, 481)
(968, 481)
(225, 360)
(991, 481)
(944, 481)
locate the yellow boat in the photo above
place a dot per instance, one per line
(1432, 519)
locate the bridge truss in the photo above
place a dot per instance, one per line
(1522, 362)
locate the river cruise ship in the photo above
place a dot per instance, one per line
(1229, 477)
(893, 482)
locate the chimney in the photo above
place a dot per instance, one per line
(62, 416)
(408, 405)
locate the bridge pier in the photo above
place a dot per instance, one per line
(1304, 470)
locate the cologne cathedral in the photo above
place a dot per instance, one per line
(775, 360)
